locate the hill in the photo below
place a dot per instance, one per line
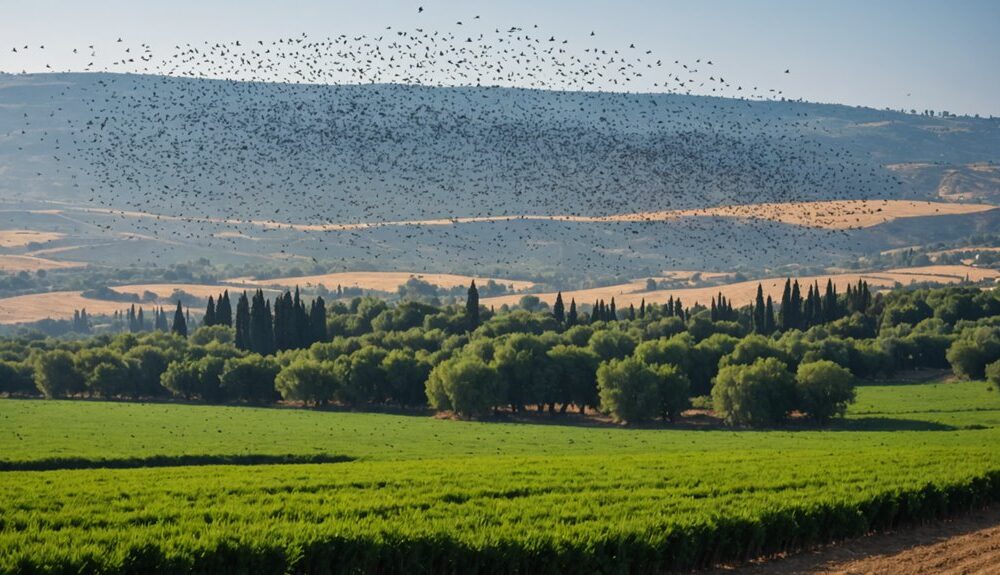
(242, 171)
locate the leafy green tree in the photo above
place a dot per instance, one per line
(151, 361)
(17, 378)
(758, 394)
(629, 389)
(520, 361)
(307, 380)
(973, 351)
(824, 389)
(572, 370)
(611, 344)
(405, 376)
(364, 380)
(673, 391)
(250, 378)
(217, 333)
(753, 347)
(56, 374)
(465, 385)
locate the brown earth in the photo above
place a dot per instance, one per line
(965, 545)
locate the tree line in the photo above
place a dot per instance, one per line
(475, 361)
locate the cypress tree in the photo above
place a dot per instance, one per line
(317, 320)
(759, 313)
(260, 324)
(595, 312)
(769, 324)
(642, 309)
(558, 309)
(612, 314)
(796, 306)
(571, 317)
(472, 306)
(224, 310)
(713, 314)
(670, 306)
(631, 311)
(209, 318)
(787, 316)
(243, 322)
(140, 321)
(180, 323)
(678, 308)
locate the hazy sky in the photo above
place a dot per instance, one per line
(943, 55)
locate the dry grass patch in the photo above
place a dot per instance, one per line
(743, 293)
(15, 264)
(52, 305)
(21, 238)
(380, 281)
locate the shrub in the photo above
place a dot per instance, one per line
(758, 394)
(824, 389)
(628, 389)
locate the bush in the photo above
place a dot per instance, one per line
(628, 389)
(466, 385)
(758, 394)
(307, 380)
(824, 389)
(993, 374)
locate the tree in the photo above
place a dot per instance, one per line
(17, 378)
(572, 317)
(307, 380)
(572, 370)
(180, 324)
(261, 331)
(465, 385)
(56, 374)
(317, 321)
(192, 379)
(611, 344)
(250, 378)
(758, 394)
(209, 319)
(405, 376)
(224, 310)
(151, 362)
(673, 391)
(629, 389)
(242, 336)
(973, 351)
(472, 306)
(558, 309)
(759, 312)
(824, 389)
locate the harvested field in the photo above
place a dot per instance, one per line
(743, 293)
(15, 264)
(21, 238)
(163, 291)
(380, 281)
(52, 305)
(846, 214)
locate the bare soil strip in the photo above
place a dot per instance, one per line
(965, 545)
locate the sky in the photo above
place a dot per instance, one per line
(901, 54)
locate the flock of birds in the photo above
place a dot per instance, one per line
(361, 151)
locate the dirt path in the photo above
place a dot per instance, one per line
(967, 545)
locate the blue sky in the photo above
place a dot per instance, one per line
(896, 53)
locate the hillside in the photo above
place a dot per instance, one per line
(186, 168)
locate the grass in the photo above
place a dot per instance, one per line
(425, 495)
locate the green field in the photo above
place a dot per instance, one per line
(421, 494)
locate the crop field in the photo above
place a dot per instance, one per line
(128, 487)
